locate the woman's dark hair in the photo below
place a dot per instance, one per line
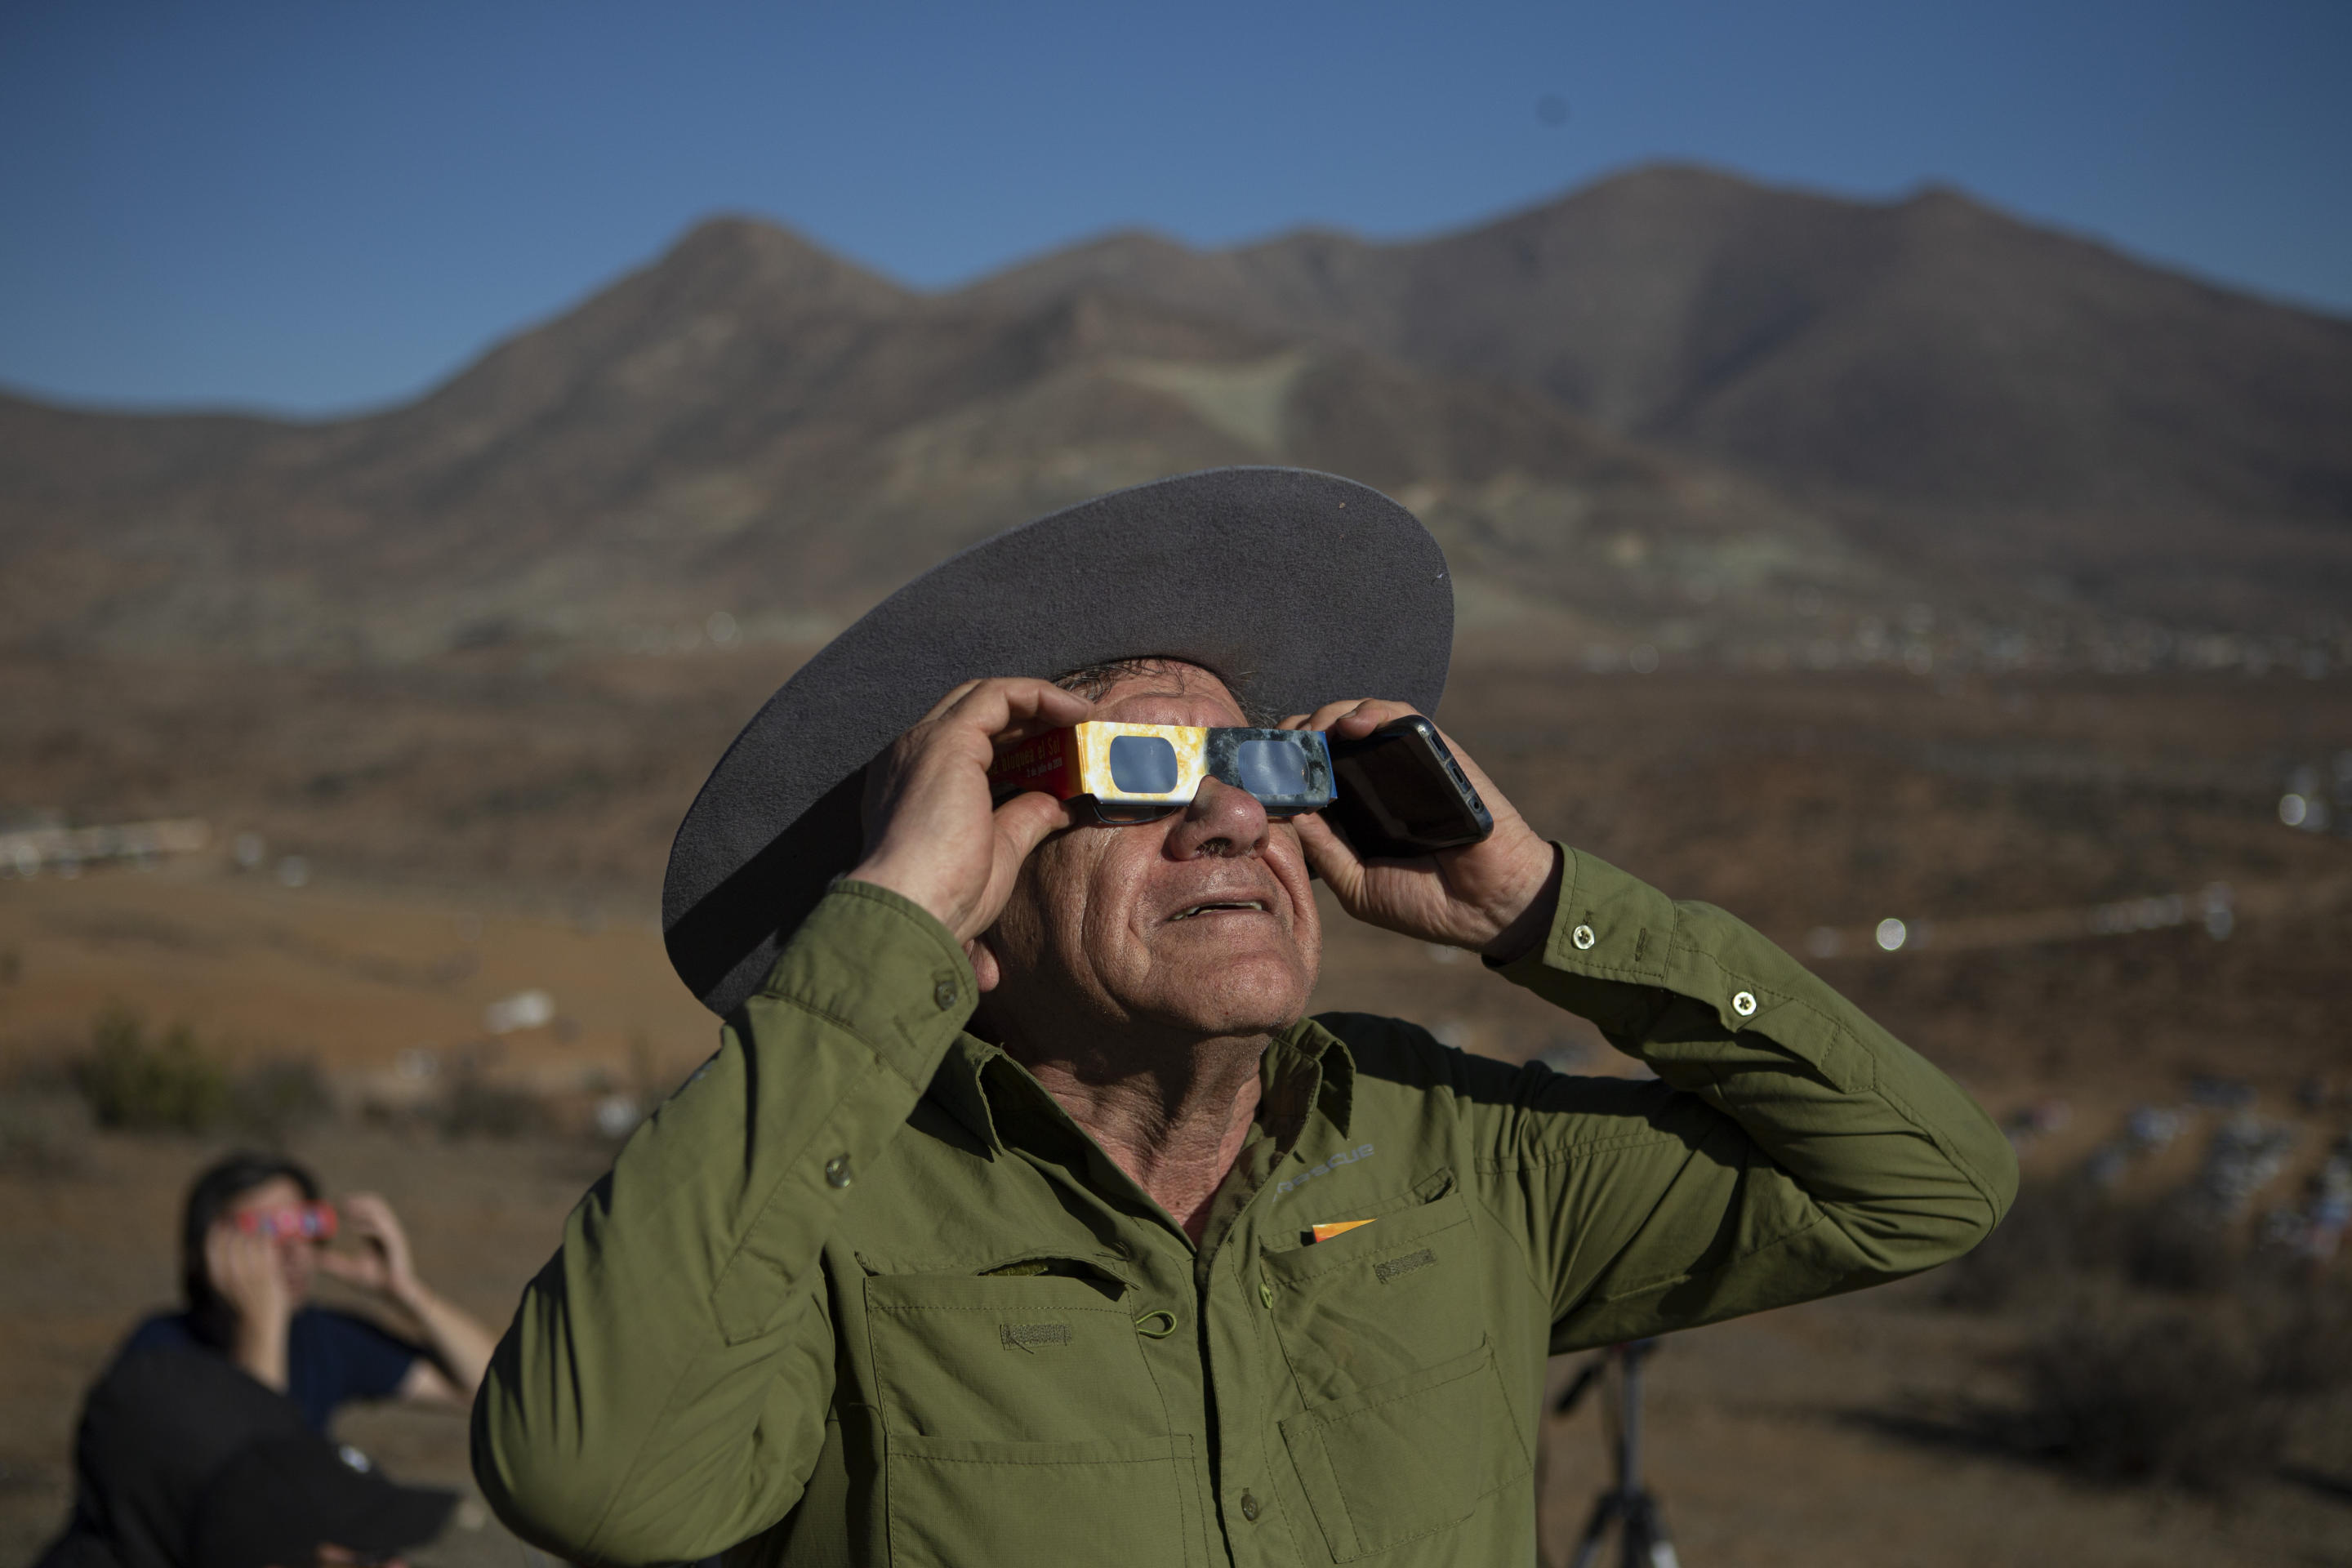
(223, 1182)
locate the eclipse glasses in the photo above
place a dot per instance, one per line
(311, 1222)
(1139, 772)
(1395, 792)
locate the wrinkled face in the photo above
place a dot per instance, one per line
(1202, 923)
(297, 1255)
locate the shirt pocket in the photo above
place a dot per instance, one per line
(1409, 1458)
(1407, 1424)
(1023, 1424)
(1383, 1300)
(1035, 1358)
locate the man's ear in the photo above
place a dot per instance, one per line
(984, 967)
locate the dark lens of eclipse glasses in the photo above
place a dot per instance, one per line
(1143, 765)
(1288, 770)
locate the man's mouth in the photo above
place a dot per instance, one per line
(1215, 906)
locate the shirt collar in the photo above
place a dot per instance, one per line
(957, 1086)
(1306, 1068)
(1307, 1064)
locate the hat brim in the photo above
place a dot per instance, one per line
(1295, 587)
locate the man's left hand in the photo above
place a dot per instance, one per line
(1492, 897)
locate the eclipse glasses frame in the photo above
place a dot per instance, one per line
(308, 1222)
(1140, 772)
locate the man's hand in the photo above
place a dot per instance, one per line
(383, 1263)
(1492, 897)
(931, 833)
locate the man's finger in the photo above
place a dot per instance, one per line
(1028, 819)
(1010, 701)
(954, 696)
(1322, 717)
(992, 713)
(1365, 717)
(1015, 829)
(1356, 717)
(1329, 855)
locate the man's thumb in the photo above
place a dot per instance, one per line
(1028, 820)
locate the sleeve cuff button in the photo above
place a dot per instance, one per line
(837, 1172)
(1583, 938)
(1743, 1004)
(944, 994)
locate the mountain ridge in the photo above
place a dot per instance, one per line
(1656, 399)
(1620, 300)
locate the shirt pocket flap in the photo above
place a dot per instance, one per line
(1399, 1228)
(1039, 1357)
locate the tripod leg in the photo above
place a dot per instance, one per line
(1588, 1549)
(1647, 1545)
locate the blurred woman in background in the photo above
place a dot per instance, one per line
(203, 1444)
(252, 1241)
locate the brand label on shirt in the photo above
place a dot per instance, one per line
(1029, 1336)
(1346, 1157)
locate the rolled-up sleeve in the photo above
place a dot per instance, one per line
(662, 1392)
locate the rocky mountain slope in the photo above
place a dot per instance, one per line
(1926, 349)
(1662, 410)
(1976, 389)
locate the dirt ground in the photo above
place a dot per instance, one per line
(1802, 1436)
(473, 832)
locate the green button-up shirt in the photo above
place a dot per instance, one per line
(861, 1293)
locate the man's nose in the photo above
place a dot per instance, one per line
(1222, 820)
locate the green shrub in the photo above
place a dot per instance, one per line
(2156, 1347)
(166, 1084)
(2170, 1395)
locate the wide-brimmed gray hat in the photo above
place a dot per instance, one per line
(1295, 587)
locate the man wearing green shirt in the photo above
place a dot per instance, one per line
(990, 1234)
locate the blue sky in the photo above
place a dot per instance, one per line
(315, 205)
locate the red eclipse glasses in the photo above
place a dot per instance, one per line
(311, 1222)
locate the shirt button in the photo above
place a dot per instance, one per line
(944, 994)
(1743, 1004)
(1583, 938)
(837, 1172)
(1266, 1292)
(1249, 1507)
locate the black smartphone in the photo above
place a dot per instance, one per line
(1401, 794)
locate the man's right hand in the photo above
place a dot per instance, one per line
(932, 834)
